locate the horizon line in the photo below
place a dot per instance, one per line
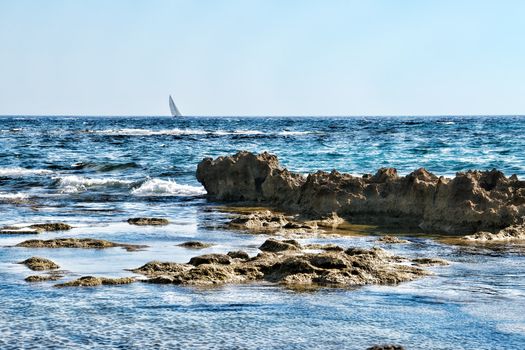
(264, 116)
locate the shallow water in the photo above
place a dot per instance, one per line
(94, 173)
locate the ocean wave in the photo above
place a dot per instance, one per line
(74, 183)
(16, 171)
(158, 187)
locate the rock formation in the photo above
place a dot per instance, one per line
(195, 245)
(35, 228)
(36, 263)
(148, 221)
(91, 281)
(471, 201)
(287, 263)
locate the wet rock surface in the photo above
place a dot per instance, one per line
(43, 278)
(36, 263)
(472, 201)
(287, 264)
(430, 262)
(195, 245)
(148, 221)
(508, 234)
(86, 243)
(91, 281)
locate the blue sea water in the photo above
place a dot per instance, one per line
(95, 172)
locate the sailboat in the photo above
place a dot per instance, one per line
(174, 110)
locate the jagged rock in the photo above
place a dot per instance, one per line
(238, 254)
(391, 240)
(87, 243)
(273, 245)
(91, 281)
(290, 267)
(195, 245)
(36, 263)
(43, 278)
(430, 262)
(471, 201)
(210, 259)
(261, 220)
(148, 221)
(511, 233)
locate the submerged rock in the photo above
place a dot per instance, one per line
(36, 263)
(91, 281)
(87, 243)
(289, 266)
(53, 226)
(471, 201)
(148, 221)
(195, 245)
(391, 240)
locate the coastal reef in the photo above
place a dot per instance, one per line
(471, 202)
(86, 243)
(288, 263)
(148, 221)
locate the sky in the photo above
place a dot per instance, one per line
(262, 57)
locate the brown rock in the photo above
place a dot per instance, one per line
(53, 226)
(148, 221)
(222, 259)
(386, 347)
(391, 240)
(238, 254)
(39, 264)
(43, 278)
(430, 262)
(87, 243)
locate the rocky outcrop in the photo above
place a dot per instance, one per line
(148, 221)
(430, 262)
(87, 243)
(36, 263)
(43, 278)
(287, 263)
(472, 201)
(52, 226)
(91, 281)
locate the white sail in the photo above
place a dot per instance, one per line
(174, 110)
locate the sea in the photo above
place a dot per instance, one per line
(96, 172)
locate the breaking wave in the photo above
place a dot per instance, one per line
(12, 197)
(158, 187)
(74, 183)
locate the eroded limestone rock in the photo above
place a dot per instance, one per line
(430, 262)
(291, 266)
(35, 228)
(43, 278)
(472, 201)
(195, 245)
(391, 240)
(508, 234)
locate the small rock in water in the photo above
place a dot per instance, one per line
(430, 262)
(87, 243)
(43, 278)
(391, 240)
(91, 281)
(54, 226)
(36, 263)
(386, 347)
(327, 247)
(148, 221)
(195, 245)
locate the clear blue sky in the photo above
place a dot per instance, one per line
(244, 57)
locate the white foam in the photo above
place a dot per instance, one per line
(74, 183)
(16, 171)
(148, 132)
(158, 187)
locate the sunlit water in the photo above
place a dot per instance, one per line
(94, 173)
